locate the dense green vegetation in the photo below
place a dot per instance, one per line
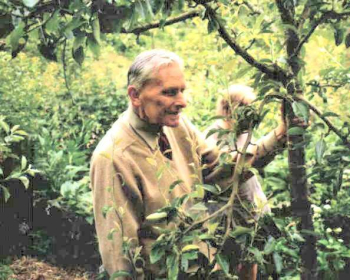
(56, 112)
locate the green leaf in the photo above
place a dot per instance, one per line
(172, 263)
(347, 40)
(110, 234)
(96, 30)
(212, 25)
(258, 254)
(30, 3)
(15, 35)
(330, 114)
(90, 220)
(73, 24)
(93, 45)
(301, 110)
(7, 194)
(157, 216)
(320, 148)
(199, 207)
(190, 247)
(52, 25)
(79, 55)
(1, 172)
(24, 181)
(244, 70)
(296, 131)
(184, 263)
(213, 189)
(223, 262)
(4, 126)
(270, 245)
(79, 41)
(23, 162)
(338, 36)
(14, 128)
(239, 230)
(174, 184)
(120, 273)
(105, 210)
(157, 253)
(278, 262)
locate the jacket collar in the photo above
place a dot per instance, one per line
(149, 133)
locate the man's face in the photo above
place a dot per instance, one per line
(161, 100)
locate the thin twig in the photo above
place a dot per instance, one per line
(65, 64)
(254, 10)
(336, 86)
(201, 222)
(322, 19)
(328, 123)
(183, 17)
(318, 113)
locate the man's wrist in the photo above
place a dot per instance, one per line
(280, 133)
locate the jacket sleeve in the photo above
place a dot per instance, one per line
(115, 191)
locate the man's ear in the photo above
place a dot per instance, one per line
(134, 96)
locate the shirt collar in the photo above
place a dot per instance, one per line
(148, 132)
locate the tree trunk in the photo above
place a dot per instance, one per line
(301, 207)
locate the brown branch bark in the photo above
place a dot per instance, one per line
(183, 17)
(287, 16)
(330, 125)
(300, 203)
(274, 72)
(322, 19)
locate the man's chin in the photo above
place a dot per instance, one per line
(172, 122)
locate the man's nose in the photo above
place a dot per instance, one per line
(181, 101)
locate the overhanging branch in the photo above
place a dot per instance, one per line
(328, 123)
(183, 17)
(275, 72)
(322, 19)
(286, 15)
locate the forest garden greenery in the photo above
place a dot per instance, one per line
(66, 84)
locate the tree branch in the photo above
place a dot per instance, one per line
(336, 86)
(254, 10)
(322, 19)
(183, 17)
(275, 72)
(328, 123)
(286, 14)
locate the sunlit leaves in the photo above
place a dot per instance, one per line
(301, 110)
(119, 274)
(16, 35)
(320, 149)
(93, 45)
(5, 192)
(239, 230)
(223, 261)
(278, 262)
(52, 22)
(296, 131)
(30, 3)
(172, 264)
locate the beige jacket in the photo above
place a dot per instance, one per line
(125, 172)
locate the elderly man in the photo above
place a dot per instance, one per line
(152, 133)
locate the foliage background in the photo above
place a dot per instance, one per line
(65, 114)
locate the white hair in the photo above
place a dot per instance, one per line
(147, 63)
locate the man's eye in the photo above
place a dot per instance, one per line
(170, 92)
